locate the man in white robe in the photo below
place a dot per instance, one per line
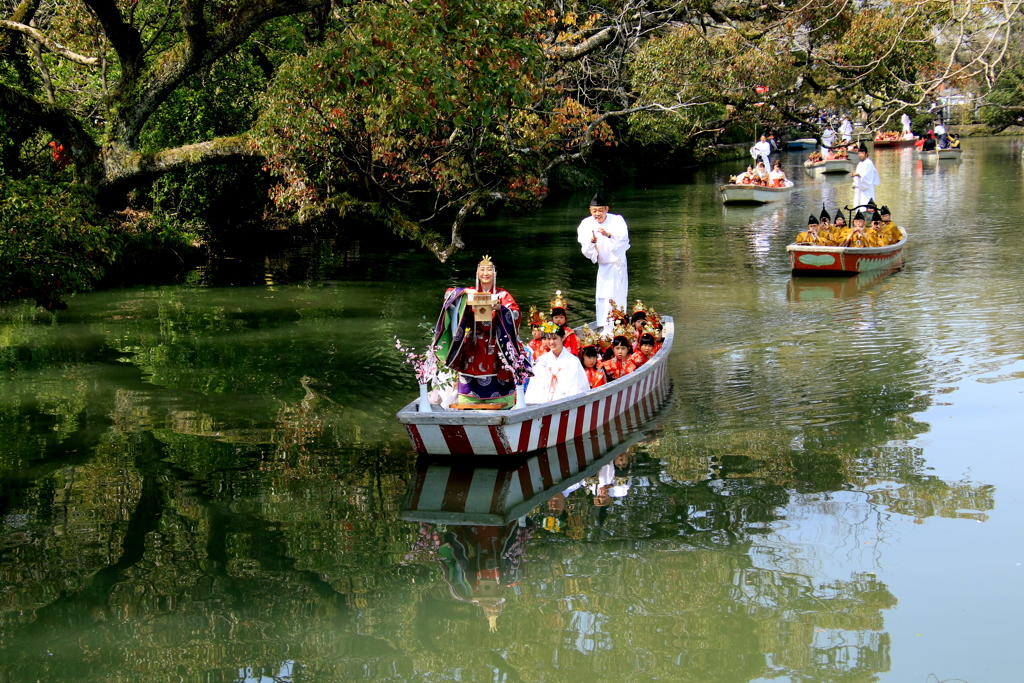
(846, 130)
(865, 178)
(557, 374)
(828, 139)
(604, 239)
(905, 120)
(762, 149)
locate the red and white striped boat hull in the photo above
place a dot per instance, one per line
(633, 400)
(464, 494)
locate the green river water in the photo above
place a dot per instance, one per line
(205, 482)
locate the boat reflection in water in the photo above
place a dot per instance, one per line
(818, 288)
(476, 521)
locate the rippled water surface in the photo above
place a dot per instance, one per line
(207, 483)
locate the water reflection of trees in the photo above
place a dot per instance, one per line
(244, 513)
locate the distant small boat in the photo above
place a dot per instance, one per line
(754, 194)
(802, 143)
(950, 153)
(907, 142)
(808, 259)
(830, 166)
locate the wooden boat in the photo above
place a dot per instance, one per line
(950, 153)
(632, 399)
(754, 194)
(466, 494)
(831, 166)
(802, 143)
(908, 142)
(807, 259)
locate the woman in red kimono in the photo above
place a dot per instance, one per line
(618, 365)
(591, 362)
(638, 358)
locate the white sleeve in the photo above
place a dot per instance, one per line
(583, 235)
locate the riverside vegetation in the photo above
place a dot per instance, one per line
(131, 129)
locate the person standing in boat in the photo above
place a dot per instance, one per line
(865, 178)
(905, 120)
(762, 149)
(846, 129)
(828, 139)
(604, 239)
(558, 373)
(478, 337)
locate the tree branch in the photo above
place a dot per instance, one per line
(52, 46)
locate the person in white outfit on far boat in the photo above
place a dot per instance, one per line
(557, 374)
(865, 178)
(846, 130)
(762, 149)
(828, 140)
(604, 239)
(905, 120)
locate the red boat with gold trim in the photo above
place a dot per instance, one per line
(809, 259)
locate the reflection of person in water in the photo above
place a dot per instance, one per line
(612, 482)
(480, 562)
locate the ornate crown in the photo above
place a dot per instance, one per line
(536, 317)
(485, 261)
(588, 337)
(617, 313)
(558, 301)
(639, 307)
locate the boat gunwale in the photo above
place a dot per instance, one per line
(815, 165)
(762, 188)
(487, 418)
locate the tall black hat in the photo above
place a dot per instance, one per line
(885, 211)
(812, 220)
(598, 199)
(862, 147)
(824, 214)
(859, 216)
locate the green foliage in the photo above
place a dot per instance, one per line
(713, 78)
(1006, 99)
(411, 108)
(52, 241)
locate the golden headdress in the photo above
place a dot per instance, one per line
(536, 318)
(485, 261)
(616, 312)
(588, 337)
(639, 307)
(558, 301)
